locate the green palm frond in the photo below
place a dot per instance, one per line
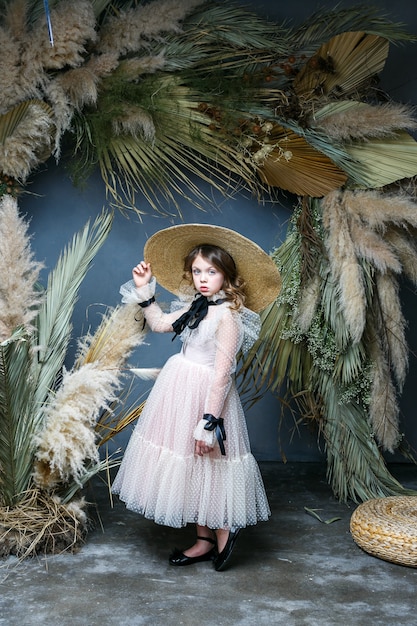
(222, 25)
(54, 317)
(325, 24)
(356, 468)
(184, 144)
(16, 417)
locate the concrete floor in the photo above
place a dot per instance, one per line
(293, 570)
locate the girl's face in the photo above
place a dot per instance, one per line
(208, 280)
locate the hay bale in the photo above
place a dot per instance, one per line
(387, 528)
(40, 524)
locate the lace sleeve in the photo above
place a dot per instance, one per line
(157, 320)
(228, 342)
(251, 322)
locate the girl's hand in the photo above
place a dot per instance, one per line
(142, 274)
(202, 448)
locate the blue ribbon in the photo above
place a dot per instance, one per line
(48, 21)
(216, 423)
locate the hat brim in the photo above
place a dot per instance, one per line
(167, 249)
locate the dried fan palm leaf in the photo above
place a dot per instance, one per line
(341, 66)
(11, 120)
(293, 164)
(384, 161)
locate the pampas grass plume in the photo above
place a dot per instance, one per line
(68, 440)
(346, 271)
(19, 271)
(383, 408)
(130, 30)
(394, 324)
(366, 121)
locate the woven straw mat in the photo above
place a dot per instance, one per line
(387, 528)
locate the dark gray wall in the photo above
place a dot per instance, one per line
(56, 210)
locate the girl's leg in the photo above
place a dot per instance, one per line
(222, 535)
(226, 540)
(202, 546)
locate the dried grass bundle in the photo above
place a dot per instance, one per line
(41, 524)
(370, 246)
(15, 18)
(68, 442)
(135, 121)
(405, 248)
(394, 325)
(131, 29)
(383, 406)
(80, 86)
(350, 120)
(19, 271)
(73, 27)
(11, 89)
(120, 331)
(378, 210)
(309, 299)
(345, 269)
(29, 144)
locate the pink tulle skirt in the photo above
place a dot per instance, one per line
(163, 479)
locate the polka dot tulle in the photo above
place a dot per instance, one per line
(160, 476)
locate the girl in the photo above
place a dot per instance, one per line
(188, 459)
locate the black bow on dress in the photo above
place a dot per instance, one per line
(194, 315)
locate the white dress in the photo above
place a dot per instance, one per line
(160, 476)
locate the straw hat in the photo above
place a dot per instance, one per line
(167, 249)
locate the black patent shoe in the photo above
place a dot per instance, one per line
(179, 558)
(223, 558)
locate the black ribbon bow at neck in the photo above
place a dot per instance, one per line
(216, 423)
(194, 315)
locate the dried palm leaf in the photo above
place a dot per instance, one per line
(11, 120)
(384, 161)
(342, 65)
(290, 163)
(111, 424)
